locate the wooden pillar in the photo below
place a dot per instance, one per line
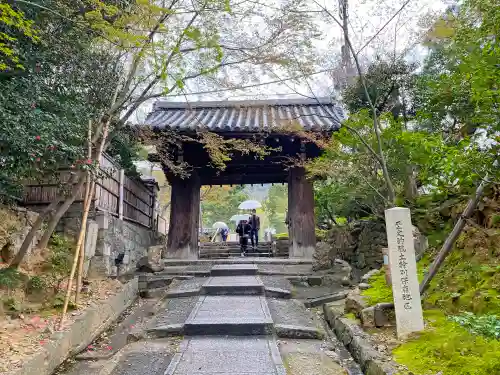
(301, 214)
(182, 240)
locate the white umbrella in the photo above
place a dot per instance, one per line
(219, 225)
(249, 205)
(238, 217)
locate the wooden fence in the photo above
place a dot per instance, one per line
(124, 197)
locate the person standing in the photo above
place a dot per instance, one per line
(255, 225)
(243, 229)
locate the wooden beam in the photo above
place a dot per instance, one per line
(301, 214)
(243, 179)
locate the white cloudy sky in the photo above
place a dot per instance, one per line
(400, 36)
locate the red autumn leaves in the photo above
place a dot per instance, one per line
(53, 148)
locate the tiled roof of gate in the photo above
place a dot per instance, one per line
(247, 116)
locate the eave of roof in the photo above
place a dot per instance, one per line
(320, 115)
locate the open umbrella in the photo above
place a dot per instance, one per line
(219, 225)
(239, 217)
(249, 205)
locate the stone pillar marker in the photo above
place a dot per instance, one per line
(403, 265)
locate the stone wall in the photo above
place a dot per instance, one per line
(17, 222)
(119, 246)
(360, 244)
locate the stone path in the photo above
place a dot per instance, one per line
(227, 324)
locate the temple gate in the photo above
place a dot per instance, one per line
(266, 121)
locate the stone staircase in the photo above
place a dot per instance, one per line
(230, 327)
(212, 250)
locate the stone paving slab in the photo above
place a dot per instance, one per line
(229, 315)
(233, 281)
(234, 269)
(230, 309)
(143, 363)
(292, 313)
(276, 282)
(245, 260)
(227, 356)
(290, 269)
(233, 285)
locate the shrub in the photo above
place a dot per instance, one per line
(10, 278)
(485, 325)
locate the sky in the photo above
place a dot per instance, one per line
(400, 36)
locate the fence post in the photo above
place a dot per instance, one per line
(121, 194)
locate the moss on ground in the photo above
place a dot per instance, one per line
(469, 281)
(447, 347)
(381, 292)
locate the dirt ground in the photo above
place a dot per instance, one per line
(22, 337)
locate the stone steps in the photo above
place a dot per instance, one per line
(229, 315)
(227, 285)
(234, 270)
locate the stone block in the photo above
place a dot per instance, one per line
(100, 267)
(102, 220)
(364, 286)
(313, 302)
(366, 277)
(384, 317)
(355, 303)
(91, 239)
(333, 310)
(403, 266)
(315, 280)
(298, 332)
(368, 317)
(106, 250)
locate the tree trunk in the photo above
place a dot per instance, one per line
(301, 214)
(31, 234)
(51, 226)
(448, 244)
(411, 190)
(184, 219)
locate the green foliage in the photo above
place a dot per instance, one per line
(282, 236)
(46, 108)
(468, 281)
(485, 325)
(58, 302)
(220, 203)
(12, 304)
(275, 207)
(36, 284)
(461, 73)
(10, 278)
(447, 347)
(60, 260)
(13, 23)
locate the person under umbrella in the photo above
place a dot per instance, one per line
(254, 232)
(243, 229)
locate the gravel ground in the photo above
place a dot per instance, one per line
(309, 357)
(292, 312)
(194, 283)
(175, 311)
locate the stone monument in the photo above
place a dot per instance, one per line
(403, 266)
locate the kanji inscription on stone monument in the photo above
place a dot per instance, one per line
(403, 268)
